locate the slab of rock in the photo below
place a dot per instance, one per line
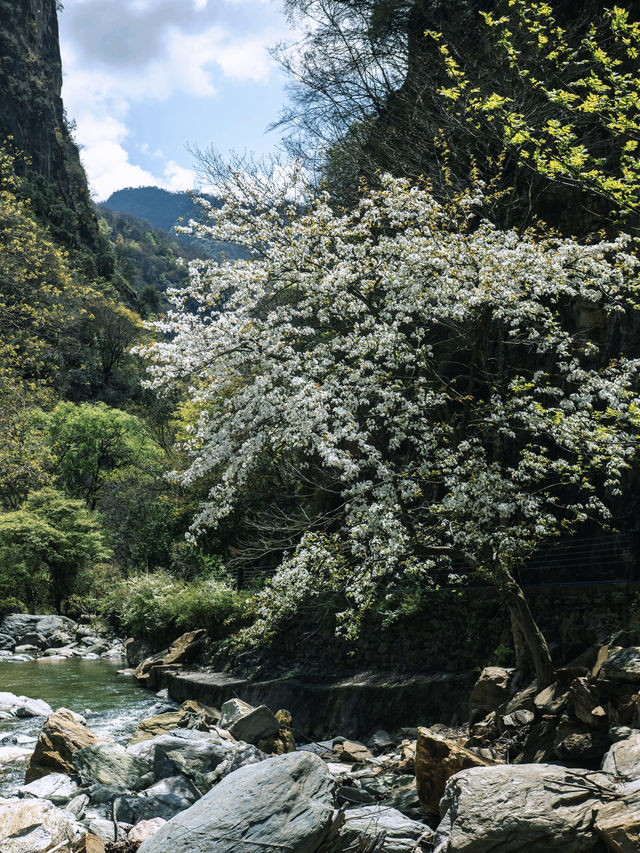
(246, 722)
(7, 642)
(33, 826)
(363, 825)
(622, 665)
(283, 803)
(88, 843)
(623, 759)
(56, 787)
(111, 765)
(190, 714)
(145, 829)
(182, 650)
(9, 754)
(511, 808)
(551, 700)
(62, 734)
(618, 824)
(437, 759)
(490, 691)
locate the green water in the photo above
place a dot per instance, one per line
(112, 704)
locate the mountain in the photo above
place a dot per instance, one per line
(32, 121)
(163, 210)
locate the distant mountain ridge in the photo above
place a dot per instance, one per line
(164, 209)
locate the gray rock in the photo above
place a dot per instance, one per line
(284, 803)
(19, 658)
(246, 722)
(23, 706)
(110, 764)
(401, 835)
(623, 759)
(136, 651)
(105, 829)
(623, 665)
(204, 757)
(512, 808)
(26, 649)
(35, 639)
(58, 788)
(380, 741)
(77, 806)
(617, 733)
(7, 642)
(33, 826)
(165, 799)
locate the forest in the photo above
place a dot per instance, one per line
(418, 364)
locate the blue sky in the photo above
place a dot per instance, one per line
(142, 78)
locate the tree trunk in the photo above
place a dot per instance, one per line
(523, 620)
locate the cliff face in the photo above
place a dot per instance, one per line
(32, 117)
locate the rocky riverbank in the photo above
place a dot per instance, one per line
(556, 769)
(25, 637)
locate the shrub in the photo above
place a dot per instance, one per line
(157, 607)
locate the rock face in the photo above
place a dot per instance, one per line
(31, 112)
(284, 803)
(62, 734)
(512, 808)
(33, 826)
(437, 759)
(618, 824)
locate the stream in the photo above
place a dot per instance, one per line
(112, 704)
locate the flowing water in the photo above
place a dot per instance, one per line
(112, 704)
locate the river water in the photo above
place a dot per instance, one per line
(112, 704)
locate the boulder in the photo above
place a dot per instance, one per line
(380, 741)
(352, 751)
(9, 754)
(363, 825)
(106, 829)
(56, 787)
(7, 642)
(22, 706)
(33, 826)
(551, 700)
(62, 734)
(511, 808)
(618, 824)
(284, 803)
(490, 691)
(77, 806)
(111, 765)
(283, 740)
(89, 843)
(623, 759)
(622, 665)
(246, 722)
(35, 639)
(182, 650)
(437, 759)
(190, 714)
(204, 757)
(165, 799)
(136, 651)
(585, 703)
(145, 829)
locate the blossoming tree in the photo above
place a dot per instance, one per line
(444, 382)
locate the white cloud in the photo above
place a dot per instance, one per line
(126, 52)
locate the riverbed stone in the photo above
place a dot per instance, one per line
(283, 803)
(111, 765)
(363, 825)
(490, 691)
(58, 788)
(63, 733)
(23, 706)
(618, 824)
(9, 754)
(165, 799)
(246, 722)
(145, 829)
(33, 826)
(77, 806)
(437, 759)
(7, 642)
(533, 807)
(623, 759)
(35, 639)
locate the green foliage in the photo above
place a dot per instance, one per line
(158, 607)
(44, 545)
(568, 104)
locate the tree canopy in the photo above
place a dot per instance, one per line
(436, 387)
